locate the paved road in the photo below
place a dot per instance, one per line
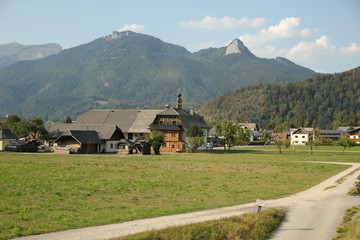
(312, 214)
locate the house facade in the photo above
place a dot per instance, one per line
(6, 137)
(299, 137)
(133, 123)
(78, 141)
(355, 135)
(278, 137)
(109, 134)
(173, 122)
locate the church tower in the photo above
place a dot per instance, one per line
(178, 100)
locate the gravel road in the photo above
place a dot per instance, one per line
(312, 214)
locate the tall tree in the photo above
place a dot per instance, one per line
(156, 139)
(345, 142)
(226, 129)
(196, 138)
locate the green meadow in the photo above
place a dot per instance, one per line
(47, 192)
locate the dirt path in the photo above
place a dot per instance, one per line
(312, 214)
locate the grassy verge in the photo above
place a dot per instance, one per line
(327, 148)
(46, 192)
(243, 227)
(350, 228)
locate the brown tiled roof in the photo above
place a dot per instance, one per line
(135, 121)
(187, 119)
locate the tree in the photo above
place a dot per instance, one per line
(196, 139)
(279, 143)
(242, 136)
(37, 129)
(156, 139)
(68, 120)
(345, 142)
(266, 137)
(226, 130)
(19, 127)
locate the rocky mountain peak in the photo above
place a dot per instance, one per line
(236, 47)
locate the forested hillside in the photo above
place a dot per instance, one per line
(131, 70)
(324, 101)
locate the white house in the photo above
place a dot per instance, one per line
(299, 137)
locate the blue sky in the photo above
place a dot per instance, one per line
(323, 35)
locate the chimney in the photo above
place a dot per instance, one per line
(191, 111)
(167, 107)
(178, 100)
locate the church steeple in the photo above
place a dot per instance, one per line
(178, 100)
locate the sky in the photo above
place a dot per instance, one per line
(323, 35)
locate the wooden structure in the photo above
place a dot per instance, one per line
(78, 141)
(173, 123)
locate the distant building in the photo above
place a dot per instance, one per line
(355, 135)
(6, 137)
(299, 137)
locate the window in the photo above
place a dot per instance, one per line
(130, 136)
(173, 134)
(174, 122)
(296, 142)
(111, 145)
(303, 136)
(296, 136)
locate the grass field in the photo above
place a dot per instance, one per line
(322, 148)
(245, 227)
(46, 192)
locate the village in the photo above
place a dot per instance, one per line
(125, 132)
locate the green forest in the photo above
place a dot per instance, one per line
(324, 101)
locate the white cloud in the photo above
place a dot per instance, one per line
(353, 49)
(213, 23)
(318, 54)
(321, 49)
(286, 29)
(133, 27)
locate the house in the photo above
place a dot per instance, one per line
(173, 122)
(213, 140)
(109, 134)
(6, 137)
(254, 130)
(133, 123)
(355, 135)
(299, 137)
(278, 137)
(78, 141)
(330, 135)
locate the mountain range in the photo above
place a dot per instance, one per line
(14, 52)
(133, 70)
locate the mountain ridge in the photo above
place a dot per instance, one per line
(11, 53)
(323, 101)
(131, 70)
